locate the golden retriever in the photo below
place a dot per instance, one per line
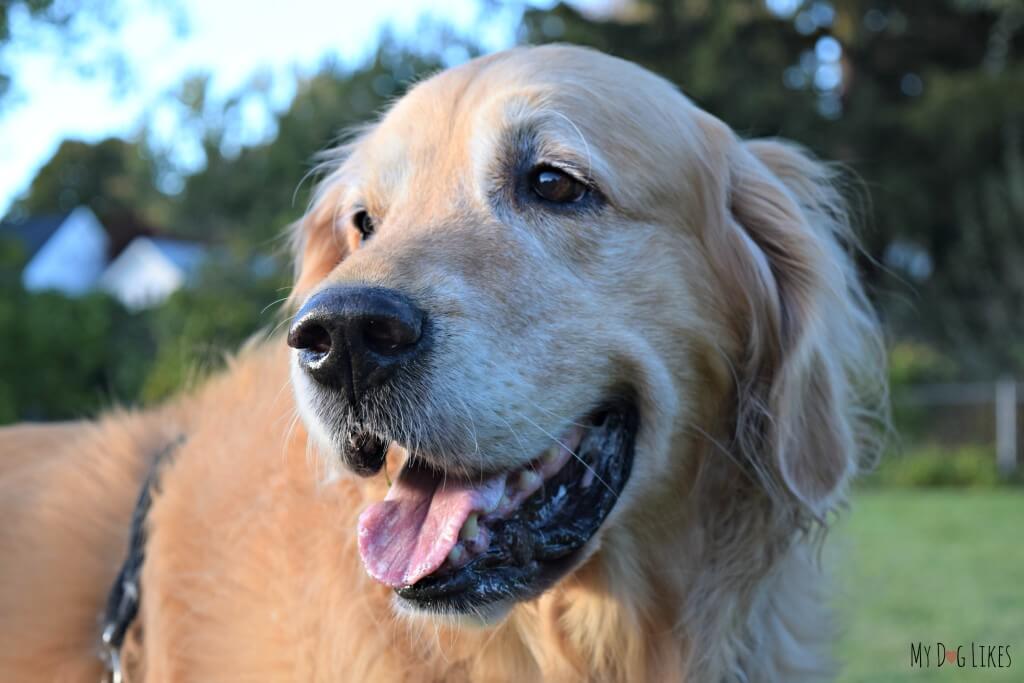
(604, 370)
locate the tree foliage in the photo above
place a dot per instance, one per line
(64, 358)
(248, 197)
(112, 177)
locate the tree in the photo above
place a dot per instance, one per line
(249, 197)
(113, 177)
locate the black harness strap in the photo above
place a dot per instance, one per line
(126, 593)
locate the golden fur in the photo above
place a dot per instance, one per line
(716, 282)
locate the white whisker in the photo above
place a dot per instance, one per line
(581, 460)
(272, 303)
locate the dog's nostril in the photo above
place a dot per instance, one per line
(311, 337)
(390, 335)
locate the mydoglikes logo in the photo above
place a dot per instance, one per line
(972, 656)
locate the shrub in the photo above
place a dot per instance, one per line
(66, 358)
(199, 326)
(936, 466)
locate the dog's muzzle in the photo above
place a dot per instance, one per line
(351, 340)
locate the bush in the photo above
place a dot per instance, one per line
(67, 358)
(935, 466)
(199, 326)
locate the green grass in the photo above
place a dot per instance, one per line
(929, 565)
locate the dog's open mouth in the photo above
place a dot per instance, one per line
(449, 544)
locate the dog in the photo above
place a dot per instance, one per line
(577, 380)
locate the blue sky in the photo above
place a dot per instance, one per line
(231, 40)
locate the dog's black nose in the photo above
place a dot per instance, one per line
(353, 338)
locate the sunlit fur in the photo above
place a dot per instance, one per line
(716, 283)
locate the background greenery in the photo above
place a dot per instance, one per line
(925, 108)
(927, 112)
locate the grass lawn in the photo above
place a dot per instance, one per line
(930, 565)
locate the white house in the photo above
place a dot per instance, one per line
(71, 257)
(149, 270)
(74, 253)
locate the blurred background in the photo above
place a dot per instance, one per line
(151, 152)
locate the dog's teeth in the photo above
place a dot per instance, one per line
(588, 478)
(573, 438)
(457, 554)
(528, 480)
(493, 506)
(469, 529)
(552, 454)
(504, 503)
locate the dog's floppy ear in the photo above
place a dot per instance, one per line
(318, 245)
(810, 354)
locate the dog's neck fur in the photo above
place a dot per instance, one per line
(277, 589)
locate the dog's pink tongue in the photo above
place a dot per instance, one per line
(409, 534)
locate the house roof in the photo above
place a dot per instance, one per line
(121, 227)
(33, 231)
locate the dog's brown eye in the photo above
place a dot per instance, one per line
(363, 223)
(557, 186)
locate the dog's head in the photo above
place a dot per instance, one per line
(563, 291)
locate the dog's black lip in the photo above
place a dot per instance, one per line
(535, 547)
(364, 453)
